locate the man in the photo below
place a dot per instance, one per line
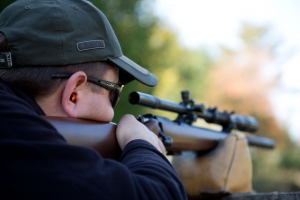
(62, 58)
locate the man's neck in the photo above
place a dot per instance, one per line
(51, 105)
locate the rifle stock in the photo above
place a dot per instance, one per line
(97, 135)
(102, 138)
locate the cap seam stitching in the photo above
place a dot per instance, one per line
(106, 29)
(59, 33)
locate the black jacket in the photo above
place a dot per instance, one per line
(37, 163)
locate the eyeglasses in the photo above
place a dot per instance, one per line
(114, 89)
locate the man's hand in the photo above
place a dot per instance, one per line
(129, 129)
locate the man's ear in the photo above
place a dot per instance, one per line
(71, 93)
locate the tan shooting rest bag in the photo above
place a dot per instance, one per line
(227, 169)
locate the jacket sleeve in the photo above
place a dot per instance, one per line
(47, 170)
(153, 177)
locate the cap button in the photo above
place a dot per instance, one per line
(26, 7)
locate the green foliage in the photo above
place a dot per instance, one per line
(290, 158)
(251, 35)
(260, 37)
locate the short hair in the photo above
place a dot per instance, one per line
(37, 80)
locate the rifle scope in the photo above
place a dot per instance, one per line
(226, 120)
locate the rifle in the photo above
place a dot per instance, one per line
(177, 135)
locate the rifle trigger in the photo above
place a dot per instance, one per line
(166, 140)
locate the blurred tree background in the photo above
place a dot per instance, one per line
(235, 80)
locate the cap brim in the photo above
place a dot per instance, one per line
(130, 71)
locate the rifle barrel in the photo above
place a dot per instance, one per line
(191, 135)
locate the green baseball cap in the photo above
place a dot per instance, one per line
(64, 32)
